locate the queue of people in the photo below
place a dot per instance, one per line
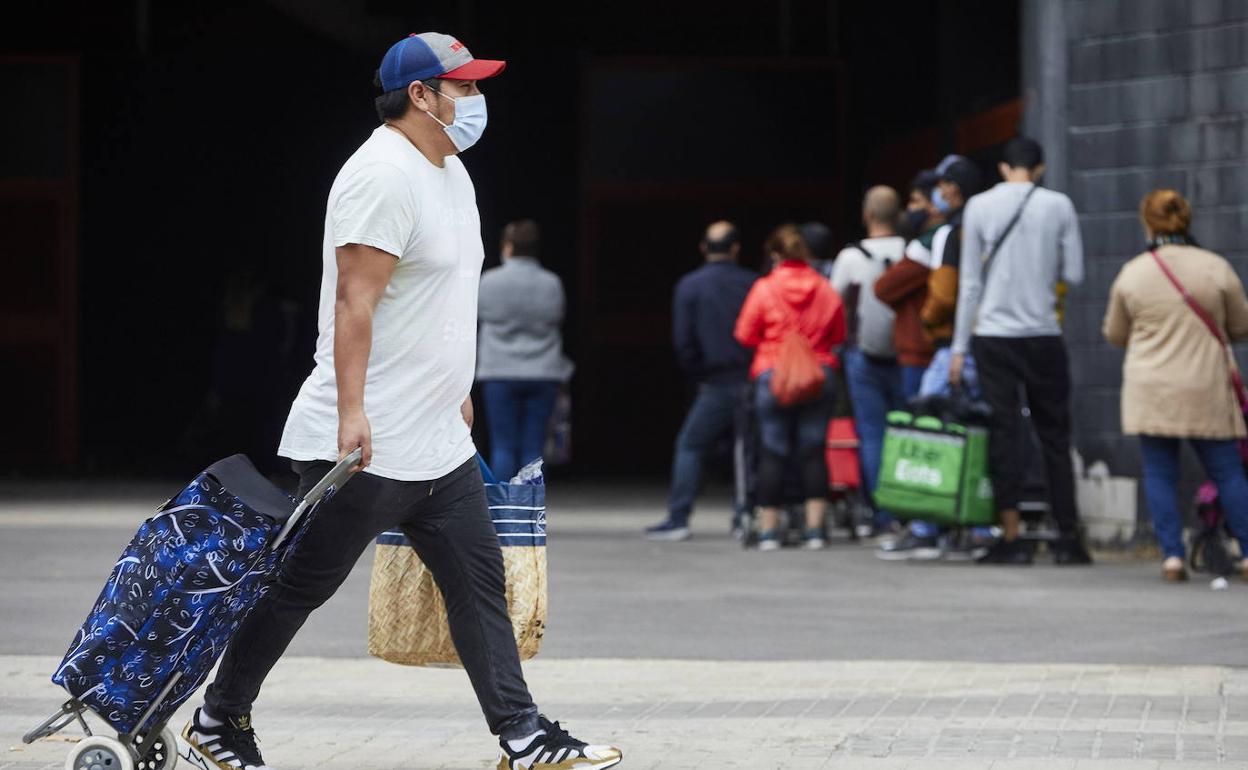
(957, 291)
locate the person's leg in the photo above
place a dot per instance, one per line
(1225, 467)
(1161, 491)
(869, 393)
(774, 438)
(710, 417)
(999, 379)
(454, 535)
(744, 456)
(812, 438)
(337, 532)
(911, 380)
(1046, 373)
(930, 381)
(502, 414)
(537, 404)
(935, 379)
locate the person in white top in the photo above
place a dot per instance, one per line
(876, 385)
(401, 264)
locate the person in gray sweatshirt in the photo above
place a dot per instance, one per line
(1018, 242)
(520, 360)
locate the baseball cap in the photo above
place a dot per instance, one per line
(925, 181)
(432, 55)
(965, 175)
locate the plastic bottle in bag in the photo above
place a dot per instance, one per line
(530, 474)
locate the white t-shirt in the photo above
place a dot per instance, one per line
(854, 268)
(420, 369)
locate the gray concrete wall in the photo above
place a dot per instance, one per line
(1130, 95)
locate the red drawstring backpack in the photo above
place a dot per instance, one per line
(797, 376)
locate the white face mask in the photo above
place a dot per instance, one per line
(469, 122)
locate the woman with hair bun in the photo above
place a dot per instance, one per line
(1178, 378)
(793, 300)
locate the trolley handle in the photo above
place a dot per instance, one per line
(337, 476)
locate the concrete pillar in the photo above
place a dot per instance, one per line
(1044, 73)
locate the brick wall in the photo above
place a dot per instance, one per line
(1155, 95)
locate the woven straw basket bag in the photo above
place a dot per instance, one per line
(407, 621)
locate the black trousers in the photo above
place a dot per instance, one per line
(449, 522)
(1040, 368)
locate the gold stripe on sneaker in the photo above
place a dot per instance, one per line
(202, 758)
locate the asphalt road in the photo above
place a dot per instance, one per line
(614, 595)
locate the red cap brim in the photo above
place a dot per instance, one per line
(477, 69)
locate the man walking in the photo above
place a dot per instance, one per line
(875, 379)
(1018, 242)
(705, 307)
(401, 264)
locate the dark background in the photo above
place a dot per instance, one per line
(164, 168)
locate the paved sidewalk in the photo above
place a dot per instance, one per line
(695, 714)
(615, 595)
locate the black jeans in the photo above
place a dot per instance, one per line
(1039, 367)
(796, 435)
(449, 522)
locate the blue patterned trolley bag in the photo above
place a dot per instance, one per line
(175, 598)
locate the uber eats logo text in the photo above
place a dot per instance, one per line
(918, 462)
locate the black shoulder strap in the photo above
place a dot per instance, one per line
(988, 258)
(858, 245)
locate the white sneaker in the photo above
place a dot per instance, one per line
(553, 749)
(228, 746)
(768, 542)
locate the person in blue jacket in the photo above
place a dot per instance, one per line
(705, 307)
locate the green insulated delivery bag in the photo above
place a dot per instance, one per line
(935, 470)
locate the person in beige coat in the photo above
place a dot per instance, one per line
(1176, 379)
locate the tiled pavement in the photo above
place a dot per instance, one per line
(686, 714)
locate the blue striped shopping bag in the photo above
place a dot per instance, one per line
(406, 613)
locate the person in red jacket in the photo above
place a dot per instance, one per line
(792, 297)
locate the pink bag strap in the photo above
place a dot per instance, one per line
(1207, 319)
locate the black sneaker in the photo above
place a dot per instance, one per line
(1070, 551)
(909, 546)
(1014, 552)
(554, 749)
(668, 530)
(229, 746)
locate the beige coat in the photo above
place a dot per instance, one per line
(1175, 380)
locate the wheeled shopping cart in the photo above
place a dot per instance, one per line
(175, 598)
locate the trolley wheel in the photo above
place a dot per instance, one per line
(163, 755)
(99, 753)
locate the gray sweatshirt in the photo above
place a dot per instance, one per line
(520, 312)
(1044, 247)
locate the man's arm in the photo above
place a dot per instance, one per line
(749, 328)
(363, 274)
(843, 270)
(970, 272)
(900, 281)
(1072, 248)
(684, 335)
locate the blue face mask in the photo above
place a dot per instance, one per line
(939, 201)
(469, 122)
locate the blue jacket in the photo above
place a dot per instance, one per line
(705, 307)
